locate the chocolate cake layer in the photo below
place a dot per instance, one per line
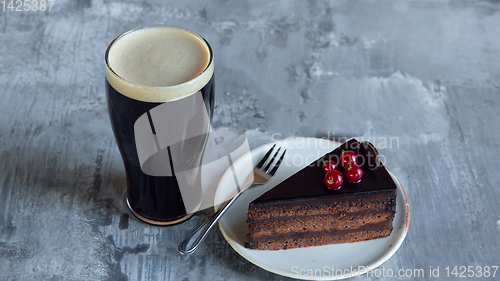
(318, 238)
(326, 205)
(317, 223)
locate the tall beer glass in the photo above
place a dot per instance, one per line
(160, 94)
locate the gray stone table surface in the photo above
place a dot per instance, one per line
(424, 74)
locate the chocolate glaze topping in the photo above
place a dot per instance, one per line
(308, 183)
(370, 154)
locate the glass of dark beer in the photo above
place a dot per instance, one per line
(160, 94)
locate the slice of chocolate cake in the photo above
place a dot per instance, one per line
(302, 211)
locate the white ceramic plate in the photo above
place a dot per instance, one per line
(330, 262)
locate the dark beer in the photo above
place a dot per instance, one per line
(145, 68)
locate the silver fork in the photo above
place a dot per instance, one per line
(262, 174)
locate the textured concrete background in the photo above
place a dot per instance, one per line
(425, 72)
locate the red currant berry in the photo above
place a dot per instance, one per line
(348, 157)
(353, 173)
(329, 166)
(333, 179)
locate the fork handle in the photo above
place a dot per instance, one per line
(191, 243)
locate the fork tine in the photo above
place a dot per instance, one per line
(273, 171)
(264, 159)
(272, 160)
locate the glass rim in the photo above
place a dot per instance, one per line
(157, 88)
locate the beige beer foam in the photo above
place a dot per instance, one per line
(158, 63)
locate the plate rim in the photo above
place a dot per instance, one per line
(386, 256)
